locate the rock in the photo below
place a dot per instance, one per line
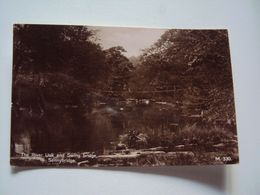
(179, 147)
(160, 148)
(220, 145)
(121, 146)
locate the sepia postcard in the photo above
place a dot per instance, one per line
(95, 96)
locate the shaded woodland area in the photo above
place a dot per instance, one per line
(71, 95)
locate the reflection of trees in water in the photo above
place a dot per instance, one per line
(101, 131)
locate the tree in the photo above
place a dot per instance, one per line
(54, 70)
(188, 67)
(53, 48)
(119, 68)
(196, 53)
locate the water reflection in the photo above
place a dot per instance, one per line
(112, 120)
